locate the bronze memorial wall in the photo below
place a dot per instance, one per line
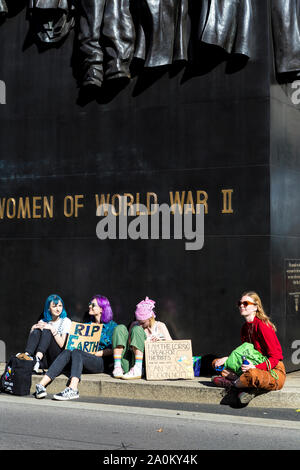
(110, 107)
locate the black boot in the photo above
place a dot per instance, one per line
(93, 77)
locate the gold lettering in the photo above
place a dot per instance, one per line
(202, 197)
(71, 205)
(11, 202)
(227, 201)
(102, 203)
(77, 204)
(36, 207)
(189, 203)
(149, 195)
(24, 209)
(177, 200)
(2, 207)
(68, 206)
(138, 205)
(48, 207)
(128, 204)
(116, 196)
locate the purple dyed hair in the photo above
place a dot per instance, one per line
(103, 302)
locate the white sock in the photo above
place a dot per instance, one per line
(138, 363)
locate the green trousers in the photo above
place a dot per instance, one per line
(121, 338)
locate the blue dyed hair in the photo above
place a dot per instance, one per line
(55, 299)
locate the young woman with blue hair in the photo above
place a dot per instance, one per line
(75, 362)
(47, 337)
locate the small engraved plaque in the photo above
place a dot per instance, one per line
(292, 286)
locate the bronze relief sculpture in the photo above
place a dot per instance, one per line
(228, 24)
(286, 27)
(162, 31)
(3, 7)
(52, 20)
(111, 33)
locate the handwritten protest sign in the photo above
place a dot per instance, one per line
(84, 336)
(169, 360)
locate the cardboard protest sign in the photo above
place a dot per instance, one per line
(169, 360)
(84, 336)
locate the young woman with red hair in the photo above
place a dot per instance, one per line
(261, 332)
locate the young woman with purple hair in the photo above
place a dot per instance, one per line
(79, 361)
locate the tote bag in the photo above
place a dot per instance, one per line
(235, 359)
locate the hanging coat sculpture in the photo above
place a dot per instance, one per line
(105, 33)
(112, 32)
(3, 7)
(163, 28)
(227, 24)
(286, 33)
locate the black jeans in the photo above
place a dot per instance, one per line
(44, 342)
(78, 361)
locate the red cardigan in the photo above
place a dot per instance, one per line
(264, 339)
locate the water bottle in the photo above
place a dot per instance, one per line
(245, 362)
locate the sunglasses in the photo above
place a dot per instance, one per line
(93, 305)
(245, 303)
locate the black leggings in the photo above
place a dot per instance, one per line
(44, 342)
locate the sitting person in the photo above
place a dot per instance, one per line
(47, 337)
(261, 332)
(79, 361)
(128, 346)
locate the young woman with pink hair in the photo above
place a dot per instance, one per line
(129, 345)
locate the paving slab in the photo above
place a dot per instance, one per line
(197, 390)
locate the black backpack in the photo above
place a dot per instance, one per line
(16, 378)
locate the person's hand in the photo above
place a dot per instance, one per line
(153, 339)
(42, 324)
(246, 367)
(221, 361)
(38, 326)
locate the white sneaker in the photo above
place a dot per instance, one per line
(118, 372)
(67, 394)
(36, 366)
(134, 373)
(40, 391)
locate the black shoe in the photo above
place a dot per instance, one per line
(67, 394)
(246, 396)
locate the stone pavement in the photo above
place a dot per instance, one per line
(198, 390)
